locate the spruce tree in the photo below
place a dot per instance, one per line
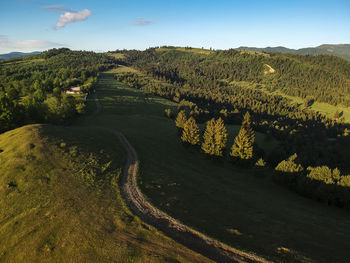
(243, 144)
(190, 133)
(181, 119)
(220, 137)
(208, 145)
(215, 137)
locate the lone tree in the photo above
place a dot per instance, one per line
(190, 133)
(181, 119)
(243, 145)
(215, 137)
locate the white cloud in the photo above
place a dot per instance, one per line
(70, 17)
(26, 45)
(57, 8)
(140, 21)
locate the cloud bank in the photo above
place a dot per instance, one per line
(71, 16)
(26, 45)
(140, 21)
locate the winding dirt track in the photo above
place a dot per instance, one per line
(194, 240)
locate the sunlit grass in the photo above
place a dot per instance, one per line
(60, 201)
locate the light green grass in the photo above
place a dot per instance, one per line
(116, 55)
(60, 201)
(322, 107)
(123, 69)
(191, 50)
(214, 196)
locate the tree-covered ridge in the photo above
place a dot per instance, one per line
(341, 50)
(325, 77)
(33, 88)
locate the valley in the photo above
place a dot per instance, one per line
(184, 184)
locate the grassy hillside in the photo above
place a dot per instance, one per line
(231, 204)
(60, 202)
(322, 107)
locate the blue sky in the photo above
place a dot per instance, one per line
(99, 25)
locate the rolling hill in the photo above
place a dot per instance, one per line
(18, 54)
(340, 50)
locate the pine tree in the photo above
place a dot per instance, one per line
(243, 144)
(208, 145)
(181, 119)
(215, 137)
(220, 137)
(190, 132)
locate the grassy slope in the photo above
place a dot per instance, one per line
(228, 203)
(324, 108)
(193, 50)
(59, 201)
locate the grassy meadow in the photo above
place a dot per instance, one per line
(322, 107)
(192, 50)
(228, 203)
(60, 201)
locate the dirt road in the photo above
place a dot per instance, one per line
(138, 204)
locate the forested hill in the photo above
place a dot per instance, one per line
(225, 84)
(323, 78)
(33, 88)
(340, 50)
(17, 54)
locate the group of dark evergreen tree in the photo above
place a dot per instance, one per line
(32, 89)
(320, 183)
(215, 136)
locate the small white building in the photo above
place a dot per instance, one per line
(73, 90)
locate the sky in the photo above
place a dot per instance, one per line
(101, 25)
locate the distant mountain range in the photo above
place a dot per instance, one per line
(17, 54)
(340, 50)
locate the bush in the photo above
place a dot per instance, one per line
(324, 174)
(260, 163)
(289, 166)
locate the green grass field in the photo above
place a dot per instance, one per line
(231, 204)
(322, 107)
(60, 201)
